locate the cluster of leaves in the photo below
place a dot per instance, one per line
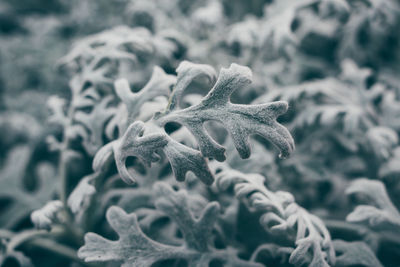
(160, 150)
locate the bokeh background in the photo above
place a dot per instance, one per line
(337, 63)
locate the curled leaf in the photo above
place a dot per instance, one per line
(45, 217)
(81, 193)
(134, 143)
(380, 213)
(281, 216)
(355, 253)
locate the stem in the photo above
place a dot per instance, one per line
(33, 238)
(6, 234)
(23, 237)
(62, 168)
(69, 223)
(63, 177)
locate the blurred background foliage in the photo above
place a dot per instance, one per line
(337, 63)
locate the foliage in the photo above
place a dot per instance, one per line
(170, 138)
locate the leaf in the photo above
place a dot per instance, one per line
(375, 191)
(381, 141)
(110, 44)
(354, 253)
(380, 213)
(95, 123)
(103, 156)
(391, 168)
(158, 85)
(81, 194)
(86, 99)
(134, 198)
(279, 16)
(44, 217)
(377, 20)
(57, 106)
(134, 143)
(244, 34)
(353, 74)
(272, 251)
(390, 110)
(196, 232)
(101, 58)
(209, 15)
(328, 102)
(18, 127)
(281, 215)
(184, 159)
(241, 121)
(23, 202)
(134, 248)
(187, 73)
(370, 215)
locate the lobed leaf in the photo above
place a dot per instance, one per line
(241, 121)
(355, 253)
(134, 248)
(281, 215)
(380, 213)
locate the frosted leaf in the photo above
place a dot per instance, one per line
(196, 232)
(329, 102)
(187, 73)
(57, 108)
(23, 202)
(43, 218)
(132, 143)
(381, 141)
(391, 168)
(281, 215)
(380, 213)
(134, 248)
(95, 124)
(241, 121)
(279, 17)
(355, 253)
(158, 85)
(81, 194)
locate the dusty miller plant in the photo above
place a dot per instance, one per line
(173, 143)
